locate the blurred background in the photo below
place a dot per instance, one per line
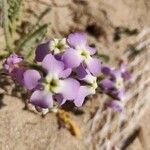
(111, 26)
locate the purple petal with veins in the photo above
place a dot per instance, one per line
(65, 73)
(122, 66)
(81, 72)
(91, 50)
(71, 58)
(116, 73)
(17, 74)
(51, 65)
(94, 66)
(76, 39)
(106, 70)
(115, 105)
(12, 62)
(118, 94)
(69, 88)
(41, 99)
(60, 99)
(126, 75)
(41, 51)
(123, 69)
(82, 93)
(31, 79)
(106, 85)
(14, 58)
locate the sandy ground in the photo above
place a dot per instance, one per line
(21, 129)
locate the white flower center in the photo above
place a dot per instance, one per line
(83, 53)
(58, 45)
(51, 84)
(92, 82)
(119, 83)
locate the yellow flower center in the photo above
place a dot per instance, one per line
(92, 82)
(84, 54)
(58, 45)
(51, 84)
(119, 83)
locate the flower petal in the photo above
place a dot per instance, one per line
(82, 93)
(65, 73)
(17, 74)
(76, 39)
(123, 66)
(31, 78)
(52, 65)
(105, 70)
(127, 75)
(81, 72)
(119, 94)
(94, 66)
(106, 85)
(12, 62)
(115, 105)
(91, 50)
(116, 73)
(42, 99)
(69, 88)
(41, 51)
(60, 99)
(71, 58)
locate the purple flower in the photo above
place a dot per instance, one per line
(54, 46)
(17, 75)
(106, 70)
(79, 52)
(120, 71)
(41, 51)
(31, 79)
(89, 87)
(58, 46)
(69, 72)
(124, 72)
(107, 85)
(12, 62)
(55, 83)
(115, 105)
(116, 77)
(82, 93)
(12, 66)
(114, 88)
(114, 84)
(118, 94)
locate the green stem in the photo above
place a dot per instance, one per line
(8, 38)
(31, 36)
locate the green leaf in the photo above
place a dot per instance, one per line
(103, 57)
(6, 22)
(27, 46)
(3, 55)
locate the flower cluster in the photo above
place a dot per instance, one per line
(113, 84)
(70, 72)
